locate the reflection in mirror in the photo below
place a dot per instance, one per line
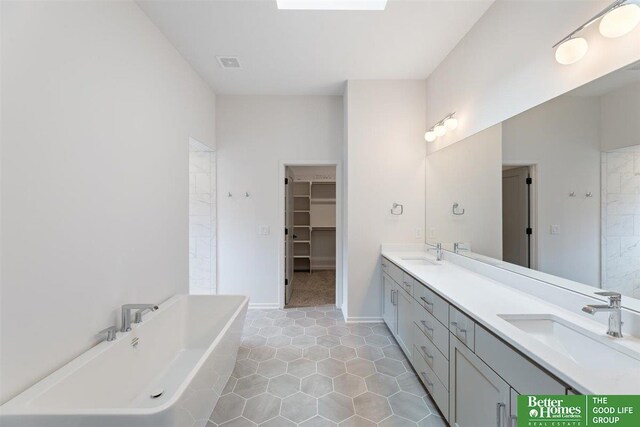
(553, 191)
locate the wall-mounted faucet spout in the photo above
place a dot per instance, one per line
(126, 313)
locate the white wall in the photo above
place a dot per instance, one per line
(562, 138)
(385, 161)
(468, 173)
(255, 135)
(97, 112)
(620, 117)
(505, 64)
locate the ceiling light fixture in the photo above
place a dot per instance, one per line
(441, 128)
(571, 51)
(620, 20)
(331, 4)
(617, 19)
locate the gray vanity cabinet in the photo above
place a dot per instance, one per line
(473, 376)
(478, 396)
(513, 413)
(389, 308)
(404, 305)
(397, 311)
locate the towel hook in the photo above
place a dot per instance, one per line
(455, 210)
(394, 209)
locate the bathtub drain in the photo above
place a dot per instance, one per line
(156, 393)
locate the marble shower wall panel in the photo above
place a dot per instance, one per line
(202, 219)
(621, 221)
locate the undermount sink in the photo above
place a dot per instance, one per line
(419, 261)
(582, 346)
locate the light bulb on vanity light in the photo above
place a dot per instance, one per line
(430, 136)
(620, 20)
(451, 123)
(439, 129)
(571, 51)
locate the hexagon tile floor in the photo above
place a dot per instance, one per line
(305, 367)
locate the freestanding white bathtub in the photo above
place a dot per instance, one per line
(187, 349)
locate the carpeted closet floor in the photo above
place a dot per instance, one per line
(313, 289)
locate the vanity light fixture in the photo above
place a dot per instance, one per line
(620, 20)
(441, 128)
(617, 19)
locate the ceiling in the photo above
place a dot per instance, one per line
(311, 52)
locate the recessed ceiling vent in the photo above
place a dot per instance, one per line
(228, 61)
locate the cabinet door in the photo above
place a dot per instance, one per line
(388, 303)
(478, 396)
(404, 305)
(513, 417)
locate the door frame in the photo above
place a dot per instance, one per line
(340, 288)
(535, 176)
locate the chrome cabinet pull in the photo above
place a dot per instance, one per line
(427, 354)
(429, 304)
(459, 329)
(499, 408)
(426, 379)
(426, 326)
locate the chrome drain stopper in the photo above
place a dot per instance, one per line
(156, 393)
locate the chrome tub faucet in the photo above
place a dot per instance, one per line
(614, 308)
(126, 314)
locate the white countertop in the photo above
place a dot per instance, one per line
(484, 299)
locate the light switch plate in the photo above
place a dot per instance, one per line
(555, 229)
(264, 230)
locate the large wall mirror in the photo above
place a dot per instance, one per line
(552, 193)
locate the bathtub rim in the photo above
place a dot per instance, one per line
(17, 406)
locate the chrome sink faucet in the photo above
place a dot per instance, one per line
(614, 308)
(438, 250)
(126, 314)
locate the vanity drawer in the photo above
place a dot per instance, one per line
(520, 373)
(407, 283)
(462, 327)
(436, 389)
(432, 355)
(434, 330)
(392, 270)
(431, 302)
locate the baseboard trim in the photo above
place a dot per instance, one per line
(363, 320)
(264, 306)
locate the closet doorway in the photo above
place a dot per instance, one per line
(519, 215)
(310, 236)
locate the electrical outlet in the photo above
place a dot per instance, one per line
(264, 230)
(419, 233)
(432, 233)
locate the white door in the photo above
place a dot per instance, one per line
(478, 396)
(288, 240)
(516, 216)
